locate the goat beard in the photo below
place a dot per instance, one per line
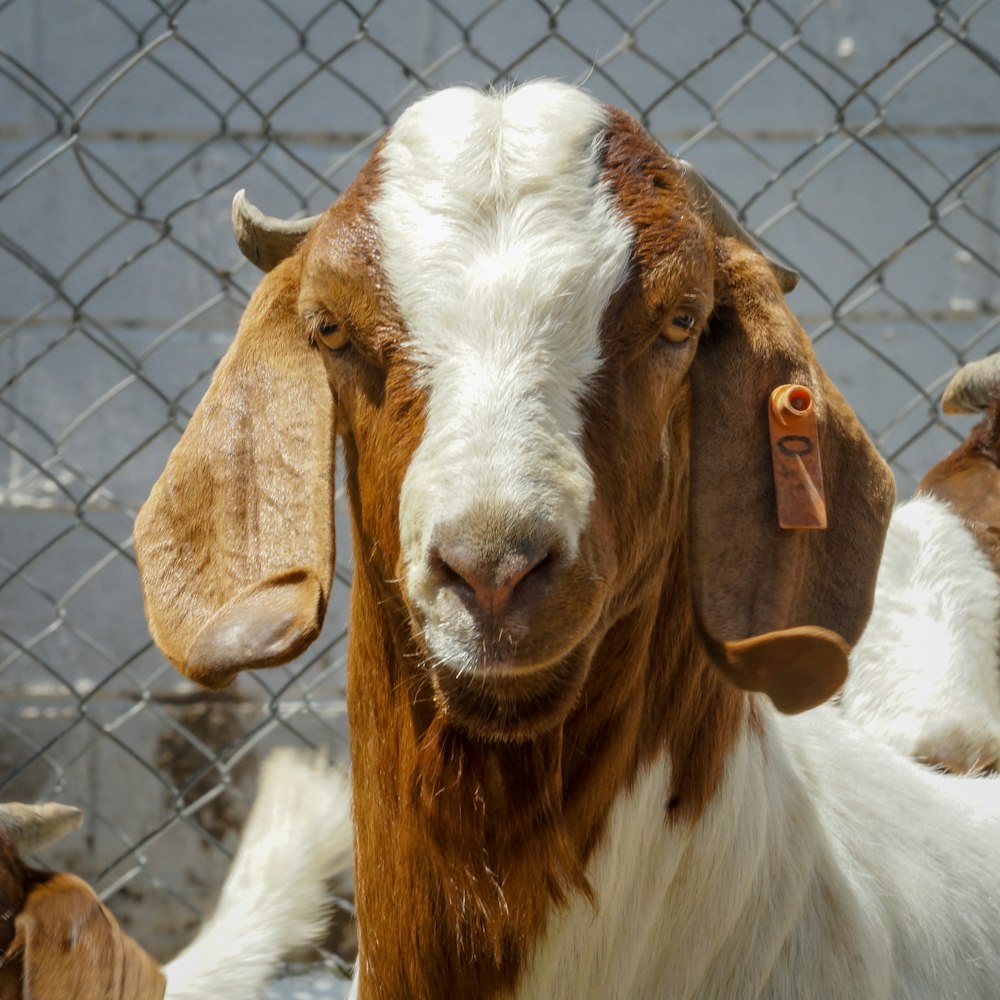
(495, 833)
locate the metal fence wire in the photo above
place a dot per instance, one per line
(857, 138)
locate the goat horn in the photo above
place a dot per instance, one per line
(726, 224)
(974, 387)
(264, 239)
(31, 827)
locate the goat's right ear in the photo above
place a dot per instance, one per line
(235, 544)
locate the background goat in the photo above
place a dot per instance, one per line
(549, 354)
(925, 676)
(59, 941)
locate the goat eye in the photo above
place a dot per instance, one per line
(680, 327)
(333, 336)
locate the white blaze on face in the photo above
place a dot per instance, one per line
(502, 249)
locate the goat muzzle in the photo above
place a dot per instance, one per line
(489, 589)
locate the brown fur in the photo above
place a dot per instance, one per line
(478, 802)
(969, 480)
(67, 944)
(12, 881)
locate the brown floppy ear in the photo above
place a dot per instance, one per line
(235, 544)
(68, 945)
(778, 608)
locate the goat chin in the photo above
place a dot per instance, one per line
(298, 835)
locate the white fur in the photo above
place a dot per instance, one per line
(502, 250)
(825, 866)
(274, 898)
(925, 675)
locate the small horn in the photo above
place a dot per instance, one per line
(264, 239)
(32, 827)
(726, 224)
(974, 387)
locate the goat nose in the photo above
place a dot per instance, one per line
(489, 582)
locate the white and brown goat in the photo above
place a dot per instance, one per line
(549, 354)
(925, 675)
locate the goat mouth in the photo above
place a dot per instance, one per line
(514, 674)
(498, 648)
(502, 701)
(468, 648)
(510, 683)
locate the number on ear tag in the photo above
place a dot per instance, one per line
(798, 474)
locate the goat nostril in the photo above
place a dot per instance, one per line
(489, 584)
(447, 574)
(532, 563)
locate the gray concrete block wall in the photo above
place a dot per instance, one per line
(124, 132)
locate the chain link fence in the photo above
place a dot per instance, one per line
(858, 138)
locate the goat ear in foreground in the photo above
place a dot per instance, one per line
(778, 608)
(68, 945)
(235, 544)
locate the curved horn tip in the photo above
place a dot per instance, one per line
(240, 207)
(974, 387)
(727, 224)
(264, 239)
(32, 827)
(787, 277)
(246, 218)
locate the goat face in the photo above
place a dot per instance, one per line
(502, 273)
(506, 329)
(522, 318)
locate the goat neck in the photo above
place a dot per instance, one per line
(484, 838)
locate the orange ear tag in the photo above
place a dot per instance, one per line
(798, 475)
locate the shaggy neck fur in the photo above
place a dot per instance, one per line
(468, 846)
(466, 849)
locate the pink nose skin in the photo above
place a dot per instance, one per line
(489, 584)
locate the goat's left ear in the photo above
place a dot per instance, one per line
(68, 944)
(778, 608)
(235, 544)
